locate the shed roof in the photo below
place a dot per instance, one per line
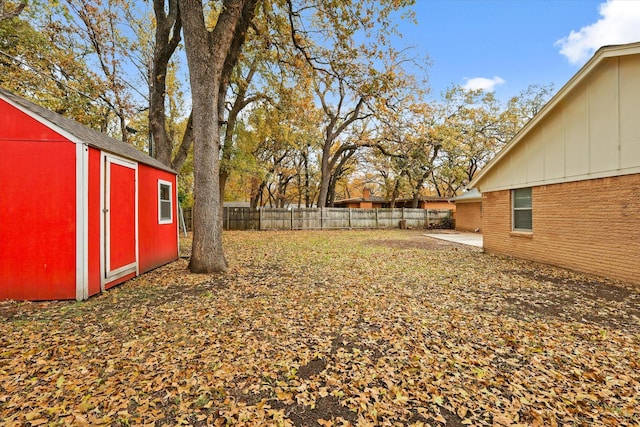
(601, 55)
(80, 133)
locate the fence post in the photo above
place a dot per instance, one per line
(428, 221)
(349, 217)
(321, 218)
(259, 218)
(292, 218)
(377, 224)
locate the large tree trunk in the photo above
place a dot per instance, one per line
(331, 132)
(307, 182)
(324, 185)
(394, 194)
(257, 197)
(207, 253)
(416, 199)
(211, 57)
(331, 195)
(416, 189)
(185, 145)
(167, 38)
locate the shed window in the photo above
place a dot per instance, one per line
(522, 212)
(165, 208)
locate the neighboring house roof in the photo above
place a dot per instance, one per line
(559, 110)
(80, 133)
(426, 199)
(377, 199)
(472, 195)
(374, 199)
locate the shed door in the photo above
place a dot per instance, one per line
(120, 218)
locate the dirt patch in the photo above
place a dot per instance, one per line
(452, 419)
(327, 408)
(594, 289)
(569, 296)
(312, 368)
(422, 243)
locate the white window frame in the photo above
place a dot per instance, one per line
(162, 220)
(514, 209)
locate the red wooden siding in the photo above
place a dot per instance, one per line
(122, 216)
(158, 243)
(17, 125)
(37, 215)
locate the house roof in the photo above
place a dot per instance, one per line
(80, 133)
(374, 199)
(426, 199)
(472, 195)
(377, 199)
(602, 54)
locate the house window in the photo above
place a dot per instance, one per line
(165, 208)
(522, 213)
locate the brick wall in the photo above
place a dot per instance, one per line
(468, 216)
(430, 204)
(591, 226)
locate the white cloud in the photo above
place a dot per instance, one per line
(483, 83)
(620, 23)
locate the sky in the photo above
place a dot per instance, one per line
(506, 45)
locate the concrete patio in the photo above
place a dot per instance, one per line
(471, 239)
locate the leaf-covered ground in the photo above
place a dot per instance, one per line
(331, 328)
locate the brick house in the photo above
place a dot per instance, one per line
(428, 202)
(566, 190)
(367, 201)
(469, 211)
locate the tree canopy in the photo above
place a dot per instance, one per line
(280, 103)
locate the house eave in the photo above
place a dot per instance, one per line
(584, 177)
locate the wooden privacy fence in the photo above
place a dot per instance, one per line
(332, 218)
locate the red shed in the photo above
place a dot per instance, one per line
(80, 212)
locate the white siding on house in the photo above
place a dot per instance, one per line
(602, 102)
(629, 112)
(592, 130)
(554, 155)
(575, 137)
(536, 159)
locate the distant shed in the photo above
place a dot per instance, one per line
(79, 212)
